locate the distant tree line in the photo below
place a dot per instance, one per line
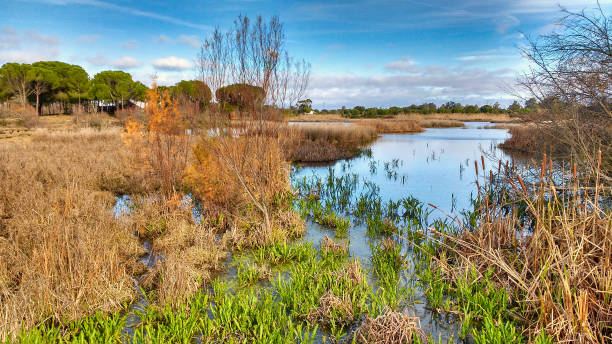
(428, 108)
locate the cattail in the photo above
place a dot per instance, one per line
(574, 171)
(476, 167)
(491, 177)
(499, 166)
(522, 184)
(482, 159)
(598, 160)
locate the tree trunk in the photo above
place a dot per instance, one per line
(38, 103)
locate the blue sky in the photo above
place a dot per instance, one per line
(363, 52)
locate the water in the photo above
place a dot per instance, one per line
(436, 167)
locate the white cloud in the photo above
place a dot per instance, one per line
(27, 47)
(126, 10)
(161, 39)
(88, 39)
(422, 84)
(28, 55)
(9, 38)
(41, 38)
(172, 63)
(404, 64)
(130, 45)
(505, 23)
(191, 41)
(126, 62)
(97, 60)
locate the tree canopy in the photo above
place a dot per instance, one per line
(243, 96)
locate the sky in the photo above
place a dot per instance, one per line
(376, 53)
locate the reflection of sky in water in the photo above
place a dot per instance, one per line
(436, 166)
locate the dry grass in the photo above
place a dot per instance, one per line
(318, 143)
(63, 255)
(558, 269)
(389, 328)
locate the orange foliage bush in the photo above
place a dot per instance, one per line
(161, 144)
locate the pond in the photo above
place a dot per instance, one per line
(435, 167)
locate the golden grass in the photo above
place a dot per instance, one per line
(63, 255)
(190, 251)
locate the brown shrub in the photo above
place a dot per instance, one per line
(63, 255)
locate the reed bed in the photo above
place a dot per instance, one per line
(387, 126)
(63, 255)
(318, 143)
(432, 123)
(552, 255)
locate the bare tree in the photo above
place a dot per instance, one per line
(252, 54)
(571, 77)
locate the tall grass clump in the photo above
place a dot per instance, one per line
(549, 247)
(63, 255)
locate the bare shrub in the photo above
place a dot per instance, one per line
(570, 77)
